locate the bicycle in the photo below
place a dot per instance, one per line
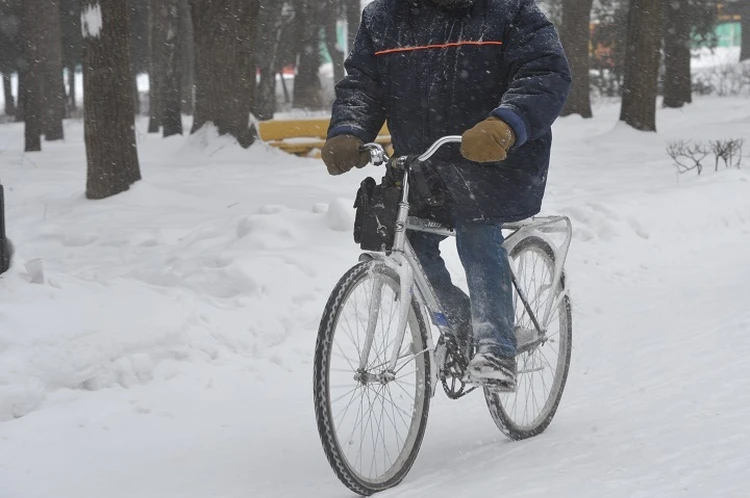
(377, 367)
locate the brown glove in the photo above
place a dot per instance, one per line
(341, 153)
(488, 142)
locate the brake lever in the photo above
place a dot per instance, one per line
(378, 156)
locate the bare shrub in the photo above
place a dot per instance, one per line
(728, 151)
(687, 155)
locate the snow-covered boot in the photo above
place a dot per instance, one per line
(492, 371)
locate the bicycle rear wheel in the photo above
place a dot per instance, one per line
(371, 420)
(543, 362)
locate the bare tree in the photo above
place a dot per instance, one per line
(332, 45)
(575, 35)
(308, 93)
(224, 32)
(745, 22)
(19, 116)
(353, 10)
(677, 80)
(186, 59)
(157, 18)
(270, 31)
(10, 103)
(109, 109)
(70, 20)
(32, 76)
(642, 55)
(171, 87)
(53, 85)
(11, 48)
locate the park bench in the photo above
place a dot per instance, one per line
(303, 137)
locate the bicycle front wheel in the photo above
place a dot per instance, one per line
(371, 418)
(543, 360)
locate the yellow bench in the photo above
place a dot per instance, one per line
(304, 136)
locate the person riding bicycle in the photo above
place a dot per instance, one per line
(493, 71)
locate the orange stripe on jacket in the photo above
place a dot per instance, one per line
(441, 45)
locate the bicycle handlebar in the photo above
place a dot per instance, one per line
(379, 156)
(450, 139)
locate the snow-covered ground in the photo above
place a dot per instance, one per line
(169, 352)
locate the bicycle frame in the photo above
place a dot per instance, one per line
(404, 261)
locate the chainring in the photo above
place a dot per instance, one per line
(454, 368)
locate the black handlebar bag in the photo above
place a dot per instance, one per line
(377, 204)
(377, 210)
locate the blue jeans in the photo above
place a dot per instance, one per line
(489, 311)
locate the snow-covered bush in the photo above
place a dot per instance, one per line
(727, 80)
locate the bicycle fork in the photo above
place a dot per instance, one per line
(406, 281)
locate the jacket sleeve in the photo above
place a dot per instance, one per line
(539, 75)
(358, 109)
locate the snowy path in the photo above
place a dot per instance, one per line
(170, 353)
(657, 402)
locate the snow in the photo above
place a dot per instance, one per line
(169, 351)
(91, 20)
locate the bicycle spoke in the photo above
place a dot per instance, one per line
(342, 355)
(343, 415)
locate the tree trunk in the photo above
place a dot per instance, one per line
(10, 104)
(32, 77)
(308, 92)
(268, 61)
(109, 126)
(172, 89)
(157, 16)
(70, 21)
(677, 78)
(745, 12)
(353, 17)
(642, 55)
(53, 83)
(19, 117)
(136, 93)
(224, 34)
(72, 99)
(337, 55)
(285, 89)
(575, 35)
(186, 59)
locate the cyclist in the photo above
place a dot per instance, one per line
(494, 71)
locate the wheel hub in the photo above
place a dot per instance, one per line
(364, 377)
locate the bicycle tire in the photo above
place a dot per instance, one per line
(495, 401)
(340, 463)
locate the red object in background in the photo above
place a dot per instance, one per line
(603, 39)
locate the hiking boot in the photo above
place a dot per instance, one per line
(492, 371)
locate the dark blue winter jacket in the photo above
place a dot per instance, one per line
(433, 72)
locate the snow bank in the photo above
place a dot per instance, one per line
(206, 260)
